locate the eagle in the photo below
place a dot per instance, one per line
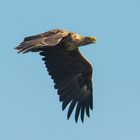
(69, 69)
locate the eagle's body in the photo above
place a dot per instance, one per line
(70, 71)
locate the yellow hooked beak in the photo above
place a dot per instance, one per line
(93, 40)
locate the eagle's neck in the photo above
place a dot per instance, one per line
(74, 42)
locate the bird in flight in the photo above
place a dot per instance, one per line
(70, 71)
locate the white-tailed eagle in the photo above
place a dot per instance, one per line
(70, 71)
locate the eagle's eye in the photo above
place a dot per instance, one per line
(89, 38)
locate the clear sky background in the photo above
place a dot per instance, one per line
(29, 105)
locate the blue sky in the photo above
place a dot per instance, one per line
(29, 105)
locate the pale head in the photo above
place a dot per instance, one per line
(77, 40)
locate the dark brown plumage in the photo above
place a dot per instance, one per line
(71, 72)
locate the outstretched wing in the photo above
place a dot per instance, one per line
(72, 75)
(37, 42)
